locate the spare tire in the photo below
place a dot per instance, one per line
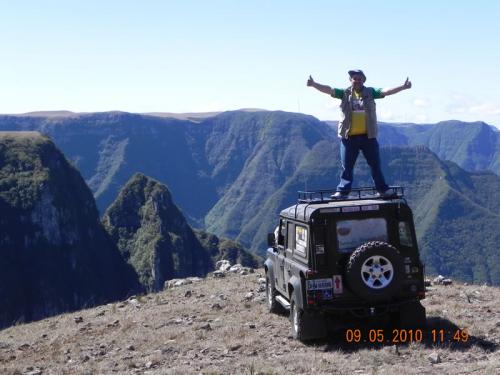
(374, 271)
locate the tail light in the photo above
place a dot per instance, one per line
(311, 273)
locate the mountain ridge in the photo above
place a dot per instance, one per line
(232, 173)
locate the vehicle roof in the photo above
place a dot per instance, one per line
(304, 211)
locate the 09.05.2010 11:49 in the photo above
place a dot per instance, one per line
(401, 336)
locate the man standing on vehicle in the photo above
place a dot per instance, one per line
(358, 128)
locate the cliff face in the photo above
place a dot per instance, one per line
(153, 235)
(54, 253)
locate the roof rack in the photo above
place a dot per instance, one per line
(321, 196)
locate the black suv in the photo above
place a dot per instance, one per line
(356, 256)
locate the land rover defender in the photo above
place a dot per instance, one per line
(357, 257)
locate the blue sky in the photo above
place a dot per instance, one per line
(194, 56)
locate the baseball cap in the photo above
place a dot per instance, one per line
(356, 71)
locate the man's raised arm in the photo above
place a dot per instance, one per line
(395, 90)
(323, 88)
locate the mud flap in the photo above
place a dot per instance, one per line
(314, 327)
(412, 315)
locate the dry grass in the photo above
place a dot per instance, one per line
(214, 330)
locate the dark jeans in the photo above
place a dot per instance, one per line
(349, 150)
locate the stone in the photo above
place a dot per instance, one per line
(176, 283)
(248, 296)
(438, 280)
(206, 327)
(222, 265)
(182, 282)
(115, 323)
(218, 274)
(24, 347)
(216, 306)
(234, 347)
(236, 268)
(434, 358)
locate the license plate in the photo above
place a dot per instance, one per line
(319, 284)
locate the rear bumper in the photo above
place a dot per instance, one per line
(360, 310)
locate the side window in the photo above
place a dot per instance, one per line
(290, 243)
(281, 237)
(405, 234)
(301, 239)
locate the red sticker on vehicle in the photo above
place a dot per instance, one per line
(337, 284)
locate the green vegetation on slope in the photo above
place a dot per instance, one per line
(54, 254)
(232, 173)
(154, 237)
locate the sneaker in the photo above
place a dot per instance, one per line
(340, 195)
(389, 193)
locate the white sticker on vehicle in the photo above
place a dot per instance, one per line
(319, 284)
(337, 284)
(320, 249)
(372, 207)
(326, 210)
(350, 209)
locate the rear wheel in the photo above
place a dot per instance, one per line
(298, 320)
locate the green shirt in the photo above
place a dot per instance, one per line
(339, 93)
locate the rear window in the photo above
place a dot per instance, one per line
(353, 233)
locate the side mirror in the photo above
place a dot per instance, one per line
(271, 240)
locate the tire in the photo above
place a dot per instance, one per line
(272, 305)
(374, 271)
(297, 319)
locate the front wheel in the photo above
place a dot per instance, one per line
(272, 305)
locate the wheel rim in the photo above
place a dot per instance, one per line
(295, 319)
(269, 294)
(377, 272)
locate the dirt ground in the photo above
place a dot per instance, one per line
(221, 326)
